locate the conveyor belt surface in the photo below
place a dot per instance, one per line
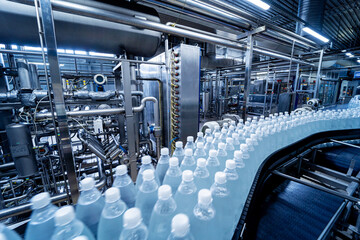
(339, 158)
(295, 211)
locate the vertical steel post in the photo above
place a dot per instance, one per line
(318, 75)
(248, 63)
(64, 146)
(130, 125)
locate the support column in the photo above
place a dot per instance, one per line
(248, 63)
(318, 75)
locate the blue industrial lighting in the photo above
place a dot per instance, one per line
(260, 4)
(315, 34)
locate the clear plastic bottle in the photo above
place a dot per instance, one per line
(232, 181)
(147, 195)
(225, 126)
(126, 186)
(200, 152)
(203, 217)
(164, 211)
(200, 138)
(222, 155)
(216, 140)
(186, 193)
(111, 220)
(173, 175)
(216, 130)
(179, 151)
(223, 135)
(90, 205)
(208, 133)
(222, 202)
(190, 143)
(236, 139)
(201, 174)
(229, 147)
(133, 227)
(8, 234)
(162, 165)
(209, 144)
(145, 164)
(180, 228)
(42, 218)
(212, 163)
(230, 131)
(189, 161)
(68, 227)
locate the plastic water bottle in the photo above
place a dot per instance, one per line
(226, 126)
(111, 220)
(162, 165)
(229, 147)
(209, 144)
(236, 139)
(222, 202)
(133, 227)
(202, 219)
(212, 163)
(90, 205)
(200, 151)
(232, 182)
(216, 130)
(200, 138)
(8, 234)
(223, 135)
(230, 131)
(179, 151)
(180, 228)
(42, 218)
(163, 212)
(189, 161)
(145, 164)
(68, 227)
(186, 193)
(222, 155)
(173, 175)
(216, 140)
(201, 174)
(190, 143)
(147, 195)
(208, 133)
(126, 186)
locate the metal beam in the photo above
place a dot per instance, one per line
(248, 64)
(65, 148)
(344, 143)
(318, 75)
(252, 32)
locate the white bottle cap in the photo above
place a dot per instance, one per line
(179, 144)
(231, 127)
(188, 152)
(201, 162)
(232, 122)
(217, 135)
(200, 145)
(204, 197)
(81, 238)
(112, 195)
(248, 141)
(190, 139)
(164, 151)
(229, 140)
(40, 200)
(230, 164)
(174, 161)
(180, 225)
(200, 134)
(212, 153)
(217, 127)
(235, 135)
(64, 215)
(209, 139)
(223, 131)
(132, 218)
(87, 184)
(208, 130)
(221, 145)
(226, 124)
(220, 177)
(237, 154)
(146, 159)
(187, 176)
(164, 192)
(121, 170)
(148, 175)
(243, 147)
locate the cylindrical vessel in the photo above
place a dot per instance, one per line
(24, 74)
(21, 149)
(205, 102)
(35, 81)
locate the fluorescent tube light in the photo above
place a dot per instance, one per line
(315, 34)
(358, 60)
(101, 54)
(348, 54)
(42, 64)
(79, 52)
(260, 4)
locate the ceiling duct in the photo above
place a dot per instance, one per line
(312, 12)
(18, 26)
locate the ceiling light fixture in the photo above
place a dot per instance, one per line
(315, 34)
(260, 4)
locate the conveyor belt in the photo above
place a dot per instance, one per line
(295, 211)
(339, 158)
